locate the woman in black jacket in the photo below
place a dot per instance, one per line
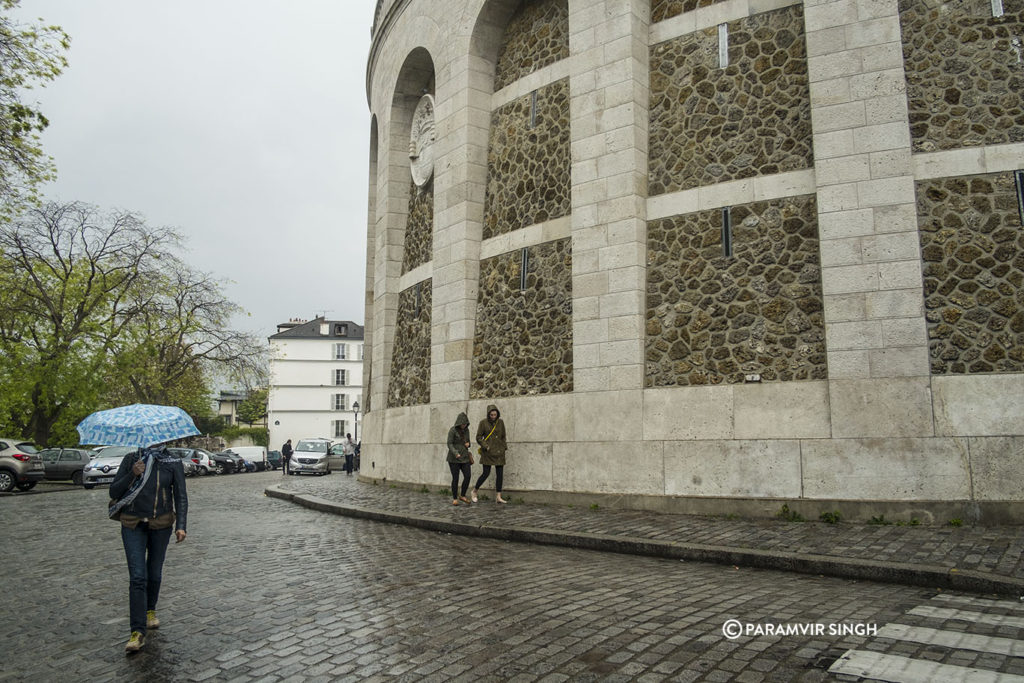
(148, 497)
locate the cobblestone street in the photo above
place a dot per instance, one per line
(267, 590)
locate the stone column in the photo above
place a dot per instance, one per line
(609, 88)
(393, 198)
(871, 264)
(463, 121)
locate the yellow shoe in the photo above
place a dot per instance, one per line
(151, 620)
(135, 643)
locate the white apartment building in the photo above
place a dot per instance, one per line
(316, 380)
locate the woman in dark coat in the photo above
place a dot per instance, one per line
(148, 497)
(459, 458)
(490, 434)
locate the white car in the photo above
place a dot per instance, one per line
(310, 457)
(103, 467)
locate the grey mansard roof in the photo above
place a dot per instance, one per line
(337, 329)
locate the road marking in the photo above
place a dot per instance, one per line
(953, 639)
(878, 666)
(963, 615)
(964, 601)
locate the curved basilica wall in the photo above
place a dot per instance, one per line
(709, 256)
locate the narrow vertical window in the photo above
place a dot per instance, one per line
(1019, 177)
(524, 268)
(727, 231)
(723, 44)
(533, 107)
(419, 298)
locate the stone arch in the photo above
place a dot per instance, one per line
(409, 231)
(488, 31)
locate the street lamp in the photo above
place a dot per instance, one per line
(355, 407)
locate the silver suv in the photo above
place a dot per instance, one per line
(310, 457)
(20, 465)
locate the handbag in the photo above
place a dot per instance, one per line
(480, 448)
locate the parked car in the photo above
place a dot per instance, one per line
(61, 464)
(230, 463)
(311, 457)
(257, 455)
(20, 465)
(203, 460)
(185, 454)
(273, 460)
(104, 464)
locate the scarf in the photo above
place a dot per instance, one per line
(149, 456)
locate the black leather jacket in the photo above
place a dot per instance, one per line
(163, 493)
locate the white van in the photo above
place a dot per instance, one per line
(257, 455)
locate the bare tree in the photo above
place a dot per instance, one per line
(180, 332)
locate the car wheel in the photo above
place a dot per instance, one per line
(27, 486)
(202, 472)
(76, 478)
(6, 481)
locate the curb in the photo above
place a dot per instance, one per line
(929, 576)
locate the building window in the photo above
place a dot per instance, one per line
(339, 428)
(340, 351)
(340, 377)
(341, 330)
(361, 351)
(339, 401)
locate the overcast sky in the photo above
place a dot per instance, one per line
(242, 123)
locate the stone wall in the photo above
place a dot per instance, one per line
(528, 166)
(711, 319)
(753, 118)
(410, 362)
(972, 245)
(964, 75)
(537, 35)
(523, 343)
(666, 9)
(419, 228)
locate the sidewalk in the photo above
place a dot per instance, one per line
(977, 559)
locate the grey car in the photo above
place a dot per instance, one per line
(20, 465)
(62, 464)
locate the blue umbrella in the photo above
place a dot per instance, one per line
(136, 425)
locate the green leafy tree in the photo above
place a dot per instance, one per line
(68, 275)
(30, 55)
(254, 407)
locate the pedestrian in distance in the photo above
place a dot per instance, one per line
(349, 450)
(490, 434)
(460, 460)
(286, 456)
(148, 497)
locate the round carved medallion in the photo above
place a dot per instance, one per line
(421, 141)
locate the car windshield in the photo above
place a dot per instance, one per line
(312, 446)
(115, 452)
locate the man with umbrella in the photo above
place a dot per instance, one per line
(147, 496)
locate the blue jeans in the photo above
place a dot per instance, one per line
(145, 551)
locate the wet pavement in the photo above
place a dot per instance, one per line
(981, 559)
(265, 589)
